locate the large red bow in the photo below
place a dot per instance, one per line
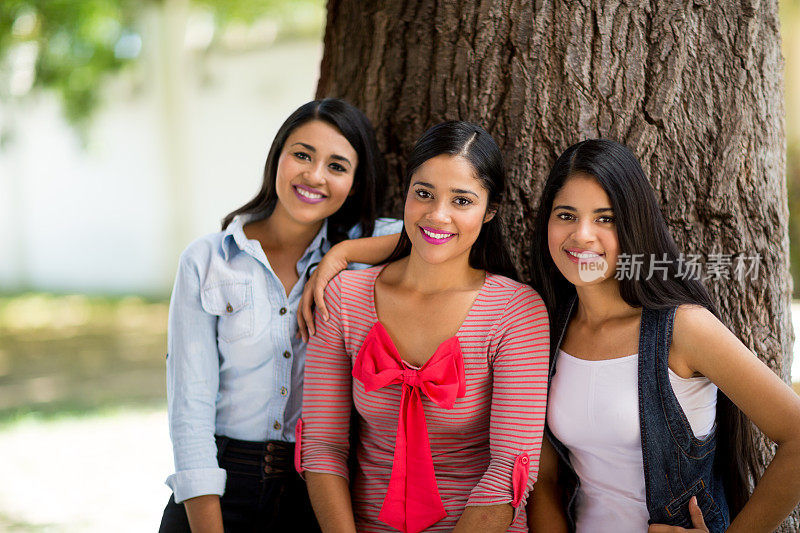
(412, 501)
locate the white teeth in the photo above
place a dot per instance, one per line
(307, 194)
(436, 235)
(584, 255)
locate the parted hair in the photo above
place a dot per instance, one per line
(490, 251)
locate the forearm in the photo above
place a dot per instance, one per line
(369, 250)
(488, 518)
(330, 497)
(777, 493)
(204, 513)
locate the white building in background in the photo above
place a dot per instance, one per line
(178, 143)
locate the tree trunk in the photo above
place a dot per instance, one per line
(694, 88)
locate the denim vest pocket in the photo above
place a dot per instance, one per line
(678, 509)
(232, 302)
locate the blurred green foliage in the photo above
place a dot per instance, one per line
(790, 31)
(75, 45)
(793, 186)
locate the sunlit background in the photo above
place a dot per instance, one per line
(127, 129)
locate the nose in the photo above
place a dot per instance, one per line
(440, 213)
(584, 232)
(316, 174)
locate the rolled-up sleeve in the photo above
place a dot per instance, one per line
(192, 384)
(520, 348)
(327, 394)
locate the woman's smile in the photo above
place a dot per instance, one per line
(308, 194)
(434, 236)
(582, 256)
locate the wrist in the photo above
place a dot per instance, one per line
(342, 251)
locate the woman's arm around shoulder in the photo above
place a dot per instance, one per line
(521, 345)
(702, 344)
(363, 252)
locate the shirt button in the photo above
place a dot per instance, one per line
(229, 308)
(270, 448)
(267, 458)
(276, 425)
(284, 391)
(524, 460)
(282, 311)
(287, 354)
(267, 469)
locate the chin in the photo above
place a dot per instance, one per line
(310, 214)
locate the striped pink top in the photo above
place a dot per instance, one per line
(480, 447)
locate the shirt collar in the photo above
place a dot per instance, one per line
(234, 239)
(320, 241)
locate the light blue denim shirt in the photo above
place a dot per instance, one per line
(234, 365)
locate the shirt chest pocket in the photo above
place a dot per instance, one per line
(232, 302)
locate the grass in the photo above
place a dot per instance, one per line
(77, 354)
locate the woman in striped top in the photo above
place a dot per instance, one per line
(444, 357)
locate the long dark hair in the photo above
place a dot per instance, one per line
(458, 138)
(641, 229)
(370, 176)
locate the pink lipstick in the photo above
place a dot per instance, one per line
(582, 256)
(308, 195)
(435, 236)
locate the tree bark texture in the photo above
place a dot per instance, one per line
(693, 87)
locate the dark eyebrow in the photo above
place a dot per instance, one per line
(334, 156)
(464, 191)
(306, 146)
(341, 158)
(457, 191)
(570, 208)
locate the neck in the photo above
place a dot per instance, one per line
(281, 231)
(420, 276)
(601, 302)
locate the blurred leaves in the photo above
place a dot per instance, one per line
(74, 45)
(71, 46)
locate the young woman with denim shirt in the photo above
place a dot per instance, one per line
(235, 364)
(637, 434)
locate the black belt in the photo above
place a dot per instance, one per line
(274, 458)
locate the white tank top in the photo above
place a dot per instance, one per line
(593, 409)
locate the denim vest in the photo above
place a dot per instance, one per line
(677, 465)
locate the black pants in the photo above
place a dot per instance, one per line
(263, 491)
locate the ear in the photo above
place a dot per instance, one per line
(490, 213)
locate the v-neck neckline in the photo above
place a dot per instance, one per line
(377, 321)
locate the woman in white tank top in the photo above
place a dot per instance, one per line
(594, 411)
(597, 210)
